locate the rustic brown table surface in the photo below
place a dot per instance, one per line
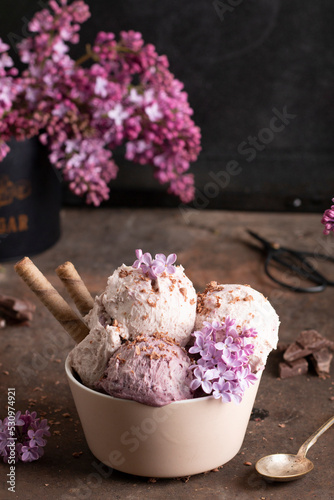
(211, 246)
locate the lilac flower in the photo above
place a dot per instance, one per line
(153, 112)
(204, 345)
(126, 96)
(144, 262)
(140, 258)
(221, 389)
(200, 344)
(3, 46)
(247, 347)
(163, 263)
(202, 378)
(328, 219)
(223, 365)
(29, 454)
(118, 114)
(224, 371)
(28, 431)
(245, 377)
(35, 437)
(228, 346)
(236, 397)
(154, 267)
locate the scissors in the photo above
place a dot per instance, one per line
(296, 262)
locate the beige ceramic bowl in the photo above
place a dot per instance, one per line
(179, 439)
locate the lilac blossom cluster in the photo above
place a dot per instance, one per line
(27, 440)
(154, 267)
(126, 96)
(8, 92)
(328, 219)
(223, 365)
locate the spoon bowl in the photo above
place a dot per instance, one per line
(283, 467)
(287, 467)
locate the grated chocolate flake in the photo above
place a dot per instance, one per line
(151, 303)
(124, 273)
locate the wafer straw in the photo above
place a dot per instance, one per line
(75, 287)
(49, 296)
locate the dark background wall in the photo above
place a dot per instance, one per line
(243, 62)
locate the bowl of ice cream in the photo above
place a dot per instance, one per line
(133, 378)
(178, 439)
(163, 379)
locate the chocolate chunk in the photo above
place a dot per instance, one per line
(321, 361)
(15, 310)
(294, 368)
(311, 339)
(293, 352)
(307, 342)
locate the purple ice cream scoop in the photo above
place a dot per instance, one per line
(153, 370)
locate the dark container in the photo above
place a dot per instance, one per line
(30, 201)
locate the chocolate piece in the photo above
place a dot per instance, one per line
(307, 342)
(293, 352)
(15, 310)
(321, 361)
(294, 368)
(311, 339)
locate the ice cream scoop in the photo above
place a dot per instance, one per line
(90, 357)
(249, 308)
(153, 370)
(166, 304)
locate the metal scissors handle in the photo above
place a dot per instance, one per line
(295, 261)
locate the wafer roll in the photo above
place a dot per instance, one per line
(75, 287)
(49, 296)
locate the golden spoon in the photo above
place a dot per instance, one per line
(285, 466)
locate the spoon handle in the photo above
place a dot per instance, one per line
(314, 437)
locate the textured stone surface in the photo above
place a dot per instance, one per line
(211, 246)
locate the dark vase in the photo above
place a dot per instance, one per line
(30, 201)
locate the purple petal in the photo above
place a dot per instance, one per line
(195, 349)
(18, 419)
(158, 267)
(236, 398)
(161, 257)
(194, 384)
(206, 386)
(211, 374)
(171, 259)
(139, 253)
(229, 375)
(147, 259)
